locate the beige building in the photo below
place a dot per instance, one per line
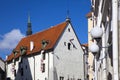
(90, 55)
(105, 35)
(85, 59)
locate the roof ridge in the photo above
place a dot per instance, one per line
(44, 30)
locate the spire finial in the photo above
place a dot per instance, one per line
(68, 18)
(29, 18)
(29, 29)
(68, 13)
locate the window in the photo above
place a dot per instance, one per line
(43, 70)
(69, 46)
(21, 60)
(21, 71)
(44, 43)
(69, 29)
(43, 56)
(26, 66)
(15, 72)
(65, 43)
(61, 78)
(45, 78)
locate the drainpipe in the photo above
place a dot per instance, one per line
(104, 68)
(34, 66)
(48, 64)
(95, 78)
(115, 38)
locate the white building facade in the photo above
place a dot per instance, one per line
(105, 34)
(53, 54)
(2, 69)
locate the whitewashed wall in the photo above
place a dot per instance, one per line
(31, 68)
(60, 62)
(68, 63)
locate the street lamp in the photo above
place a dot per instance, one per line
(94, 48)
(96, 32)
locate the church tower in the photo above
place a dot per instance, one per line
(29, 29)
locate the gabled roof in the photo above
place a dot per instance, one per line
(51, 35)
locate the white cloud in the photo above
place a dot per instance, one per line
(10, 39)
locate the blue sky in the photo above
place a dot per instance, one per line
(44, 13)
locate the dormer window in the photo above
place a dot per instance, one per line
(44, 43)
(15, 52)
(23, 50)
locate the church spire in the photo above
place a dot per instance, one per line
(67, 18)
(29, 29)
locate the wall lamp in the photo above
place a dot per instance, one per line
(96, 33)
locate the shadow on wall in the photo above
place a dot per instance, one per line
(2, 74)
(24, 71)
(55, 74)
(109, 77)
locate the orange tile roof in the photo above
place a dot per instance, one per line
(89, 15)
(51, 35)
(86, 45)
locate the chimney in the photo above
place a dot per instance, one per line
(31, 45)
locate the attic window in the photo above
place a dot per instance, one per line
(69, 46)
(69, 29)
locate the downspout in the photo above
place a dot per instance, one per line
(6, 68)
(119, 38)
(95, 61)
(115, 38)
(84, 65)
(104, 68)
(48, 66)
(34, 66)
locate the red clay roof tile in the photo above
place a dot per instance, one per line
(51, 35)
(89, 15)
(86, 45)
